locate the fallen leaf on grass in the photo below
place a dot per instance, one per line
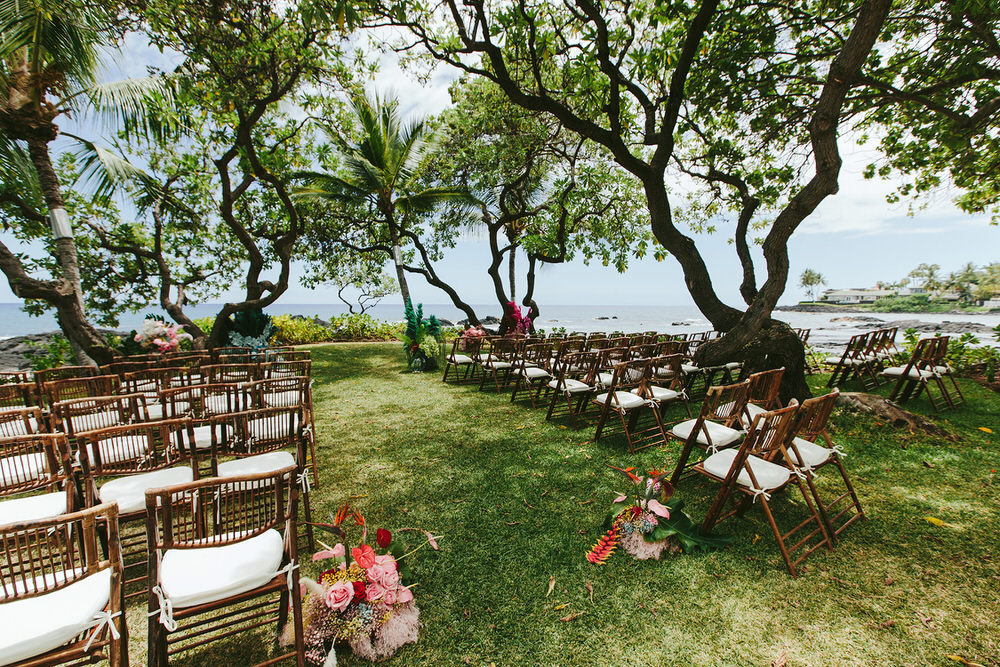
(526, 503)
(585, 502)
(590, 589)
(560, 606)
(570, 617)
(513, 523)
(552, 585)
(781, 660)
(430, 539)
(928, 465)
(986, 429)
(933, 520)
(888, 624)
(961, 660)
(889, 581)
(926, 620)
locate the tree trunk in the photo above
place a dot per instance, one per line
(511, 272)
(397, 260)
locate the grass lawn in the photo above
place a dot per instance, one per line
(519, 500)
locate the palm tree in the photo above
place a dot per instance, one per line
(49, 63)
(382, 171)
(811, 280)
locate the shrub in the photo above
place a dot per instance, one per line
(291, 330)
(57, 352)
(364, 327)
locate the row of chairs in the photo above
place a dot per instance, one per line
(222, 557)
(863, 358)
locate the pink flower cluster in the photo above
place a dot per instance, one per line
(164, 337)
(522, 323)
(379, 583)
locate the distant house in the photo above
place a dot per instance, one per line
(910, 291)
(848, 296)
(993, 302)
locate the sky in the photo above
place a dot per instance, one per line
(854, 239)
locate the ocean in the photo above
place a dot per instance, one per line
(672, 319)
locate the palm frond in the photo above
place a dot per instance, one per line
(318, 186)
(428, 199)
(17, 170)
(142, 107)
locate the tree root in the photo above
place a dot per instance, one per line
(891, 413)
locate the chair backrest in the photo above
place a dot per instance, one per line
(266, 430)
(813, 415)
(284, 369)
(34, 462)
(538, 354)
(765, 387)
(272, 354)
(580, 366)
(501, 349)
(64, 373)
(14, 377)
(216, 373)
(19, 395)
(44, 556)
(857, 345)
(725, 403)
(803, 335)
(79, 416)
(277, 392)
(222, 351)
(122, 367)
(612, 356)
(202, 402)
(151, 381)
(665, 371)
(137, 448)
(769, 434)
(217, 511)
(80, 387)
(191, 360)
(467, 345)
(628, 375)
(22, 421)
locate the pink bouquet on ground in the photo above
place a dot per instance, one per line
(362, 599)
(160, 335)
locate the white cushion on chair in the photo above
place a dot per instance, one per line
(769, 475)
(155, 411)
(119, 448)
(17, 427)
(605, 378)
(203, 436)
(733, 365)
(570, 386)
(812, 454)
(255, 465)
(689, 368)
(283, 399)
(460, 359)
(752, 410)
(624, 399)
(37, 625)
(22, 468)
(130, 491)
(533, 372)
(722, 436)
(264, 428)
(661, 393)
(191, 577)
(32, 508)
(498, 365)
(914, 374)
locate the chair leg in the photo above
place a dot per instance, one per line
(777, 537)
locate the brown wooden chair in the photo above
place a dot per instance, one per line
(853, 364)
(717, 425)
(16, 396)
(287, 392)
(621, 397)
(61, 592)
(80, 416)
(120, 368)
(763, 395)
(285, 369)
(460, 359)
(530, 370)
(223, 561)
(62, 373)
(573, 383)
(80, 387)
(151, 381)
(663, 384)
(207, 405)
(755, 471)
(22, 421)
(15, 377)
(229, 351)
(285, 353)
(120, 463)
(921, 373)
(496, 363)
(36, 480)
(238, 373)
(805, 454)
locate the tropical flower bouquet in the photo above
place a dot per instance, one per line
(362, 600)
(157, 334)
(420, 339)
(649, 521)
(471, 334)
(519, 323)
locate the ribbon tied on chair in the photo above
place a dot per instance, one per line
(101, 619)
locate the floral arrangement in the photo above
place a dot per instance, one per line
(522, 323)
(420, 339)
(649, 521)
(362, 599)
(157, 334)
(250, 328)
(471, 334)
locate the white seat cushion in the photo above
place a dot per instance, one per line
(689, 368)
(18, 426)
(534, 373)
(266, 428)
(203, 436)
(722, 436)
(130, 492)
(661, 393)
(605, 378)
(119, 448)
(752, 410)
(812, 454)
(460, 359)
(37, 625)
(733, 365)
(155, 411)
(255, 465)
(283, 399)
(570, 386)
(498, 365)
(32, 508)
(22, 468)
(914, 374)
(625, 400)
(191, 577)
(769, 475)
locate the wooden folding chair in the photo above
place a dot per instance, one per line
(573, 382)
(285, 369)
(16, 396)
(287, 392)
(22, 421)
(920, 373)
(272, 354)
(151, 381)
(621, 398)
(756, 471)
(223, 560)
(497, 362)
(460, 360)
(62, 373)
(223, 373)
(36, 479)
(663, 383)
(136, 457)
(531, 371)
(61, 593)
(763, 395)
(81, 387)
(207, 406)
(853, 363)
(229, 351)
(717, 425)
(809, 457)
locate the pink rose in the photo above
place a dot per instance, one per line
(375, 572)
(403, 595)
(386, 562)
(390, 579)
(364, 556)
(390, 596)
(340, 595)
(375, 591)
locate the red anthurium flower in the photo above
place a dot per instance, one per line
(383, 538)
(363, 556)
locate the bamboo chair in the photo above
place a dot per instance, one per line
(622, 398)
(272, 354)
(808, 457)
(461, 359)
(717, 425)
(223, 560)
(207, 406)
(225, 373)
(22, 421)
(663, 383)
(81, 387)
(80, 416)
(62, 373)
(36, 481)
(531, 373)
(15, 377)
(920, 373)
(853, 363)
(152, 381)
(756, 471)
(497, 362)
(763, 396)
(18, 396)
(61, 600)
(120, 368)
(285, 369)
(259, 441)
(574, 383)
(136, 457)
(287, 392)
(229, 350)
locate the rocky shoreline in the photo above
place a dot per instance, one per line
(824, 308)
